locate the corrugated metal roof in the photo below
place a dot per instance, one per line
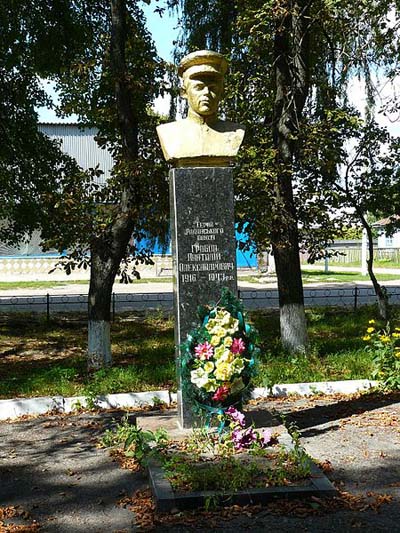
(386, 221)
(80, 144)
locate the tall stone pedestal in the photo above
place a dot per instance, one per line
(203, 249)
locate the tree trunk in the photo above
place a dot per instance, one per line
(380, 291)
(291, 84)
(108, 250)
(102, 275)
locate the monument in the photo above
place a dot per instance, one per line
(201, 149)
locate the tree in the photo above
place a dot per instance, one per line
(371, 186)
(106, 70)
(110, 84)
(31, 166)
(291, 61)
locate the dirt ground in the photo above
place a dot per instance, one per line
(54, 478)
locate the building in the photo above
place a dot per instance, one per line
(80, 144)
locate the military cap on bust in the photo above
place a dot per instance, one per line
(204, 62)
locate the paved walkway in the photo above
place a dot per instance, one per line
(51, 467)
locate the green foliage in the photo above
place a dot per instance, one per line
(385, 346)
(70, 43)
(340, 39)
(134, 441)
(33, 170)
(44, 359)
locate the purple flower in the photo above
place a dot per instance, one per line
(266, 437)
(236, 416)
(243, 438)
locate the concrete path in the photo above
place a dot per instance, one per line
(52, 469)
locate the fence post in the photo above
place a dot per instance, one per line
(113, 306)
(48, 307)
(355, 297)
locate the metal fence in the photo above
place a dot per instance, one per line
(350, 297)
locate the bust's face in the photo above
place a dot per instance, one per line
(203, 93)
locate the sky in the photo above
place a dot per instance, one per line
(163, 31)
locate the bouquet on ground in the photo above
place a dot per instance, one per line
(218, 358)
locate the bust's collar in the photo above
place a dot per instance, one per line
(201, 120)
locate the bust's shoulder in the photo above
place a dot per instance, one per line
(172, 126)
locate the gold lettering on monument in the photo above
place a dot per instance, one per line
(205, 259)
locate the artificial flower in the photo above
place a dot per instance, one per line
(228, 341)
(243, 438)
(221, 393)
(223, 372)
(199, 377)
(211, 385)
(208, 367)
(238, 346)
(221, 351)
(266, 436)
(204, 350)
(215, 340)
(238, 365)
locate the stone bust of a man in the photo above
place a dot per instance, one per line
(201, 139)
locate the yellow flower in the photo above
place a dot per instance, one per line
(371, 321)
(219, 351)
(366, 338)
(238, 365)
(208, 367)
(215, 340)
(384, 338)
(211, 324)
(223, 372)
(370, 330)
(396, 335)
(210, 386)
(228, 341)
(397, 329)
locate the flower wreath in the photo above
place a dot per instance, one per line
(218, 358)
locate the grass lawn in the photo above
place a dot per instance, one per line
(319, 276)
(37, 358)
(8, 285)
(382, 263)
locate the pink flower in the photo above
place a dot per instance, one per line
(204, 350)
(238, 346)
(236, 416)
(266, 437)
(221, 393)
(243, 438)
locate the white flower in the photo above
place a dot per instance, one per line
(199, 377)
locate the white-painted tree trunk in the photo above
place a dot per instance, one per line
(293, 327)
(99, 344)
(364, 253)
